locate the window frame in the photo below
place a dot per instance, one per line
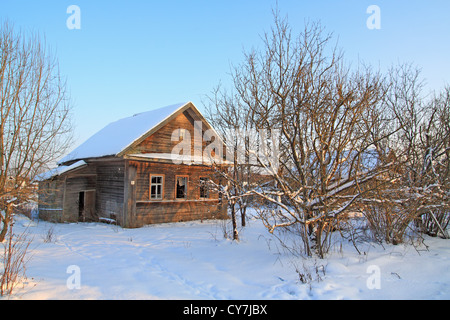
(205, 187)
(186, 187)
(162, 176)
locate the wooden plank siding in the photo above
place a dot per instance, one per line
(75, 185)
(165, 212)
(59, 197)
(110, 189)
(170, 209)
(122, 193)
(51, 199)
(161, 140)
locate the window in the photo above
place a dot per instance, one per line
(181, 187)
(204, 190)
(156, 187)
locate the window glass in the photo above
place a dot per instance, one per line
(181, 188)
(156, 187)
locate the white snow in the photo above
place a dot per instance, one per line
(60, 170)
(118, 135)
(192, 260)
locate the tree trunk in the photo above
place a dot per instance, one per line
(6, 219)
(243, 209)
(233, 220)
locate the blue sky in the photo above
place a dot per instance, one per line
(133, 56)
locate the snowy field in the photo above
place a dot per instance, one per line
(192, 260)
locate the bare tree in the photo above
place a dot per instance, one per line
(14, 259)
(233, 120)
(422, 147)
(34, 108)
(322, 114)
(435, 143)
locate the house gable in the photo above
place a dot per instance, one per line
(159, 143)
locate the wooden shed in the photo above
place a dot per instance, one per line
(148, 168)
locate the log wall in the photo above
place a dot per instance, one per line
(170, 209)
(110, 189)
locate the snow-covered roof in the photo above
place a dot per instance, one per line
(118, 135)
(59, 170)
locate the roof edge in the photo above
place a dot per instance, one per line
(152, 130)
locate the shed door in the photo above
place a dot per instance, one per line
(86, 205)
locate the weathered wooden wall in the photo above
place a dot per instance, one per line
(51, 198)
(177, 211)
(161, 140)
(120, 190)
(102, 184)
(170, 209)
(75, 185)
(110, 189)
(170, 172)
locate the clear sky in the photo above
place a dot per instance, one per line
(133, 56)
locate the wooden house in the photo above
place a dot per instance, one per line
(131, 172)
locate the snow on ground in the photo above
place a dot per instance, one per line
(192, 260)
